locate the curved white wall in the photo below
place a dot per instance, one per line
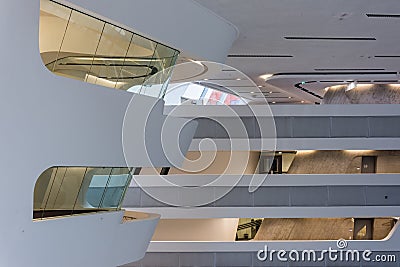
(47, 120)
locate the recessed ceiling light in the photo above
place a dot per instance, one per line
(274, 102)
(266, 76)
(260, 86)
(252, 92)
(238, 79)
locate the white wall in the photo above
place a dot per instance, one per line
(47, 120)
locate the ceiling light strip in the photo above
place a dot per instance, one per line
(345, 69)
(387, 56)
(391, 16)
(333, 73)
(317, 38)
(259, 56)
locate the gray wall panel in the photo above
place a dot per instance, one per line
(384, 126)
(303, 127)
(349, 126)
(148, 201)
(160, 260)
(272, 196)
(280, 196)
(311, 126)
(275, 263)
(385, 264)
(241, 259)
(237, 197)
(284, 127)
(132, 197)
(250, 125)
(383, 195)
(246, 259)
(346, 196)
(309, 196)
(197, 259)
(220, 131)
(205, 129)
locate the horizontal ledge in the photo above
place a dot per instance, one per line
(274, 212)
(255, 246)
(326, 143)
(196, 180)
(355, 110)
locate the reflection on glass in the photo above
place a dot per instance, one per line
(137, 65)
(62, 191)
(156, 85)
(110, 57)
(78, 46)
(53, 23)
(81, 40)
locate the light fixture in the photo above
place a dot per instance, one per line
(252, 92)
(270, 92)
(351, 86)
(102, 81)
(273, 102)
(289, 97)
(266, 76)
(306, 151)
(238, 79)
(357, 151)
(335, 87)
(196, 62)
(260, 86)
(302, 101)
(205, 79)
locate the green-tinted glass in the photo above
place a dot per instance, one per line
(53, 24)
(80, 44)
(75, 45)
(110, 57)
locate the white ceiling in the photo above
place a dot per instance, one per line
(263, 24)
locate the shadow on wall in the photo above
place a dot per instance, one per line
(342, 161)
(321, 229)
(363, 94)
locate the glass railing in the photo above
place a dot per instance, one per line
(63, 191)
(79, 46)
